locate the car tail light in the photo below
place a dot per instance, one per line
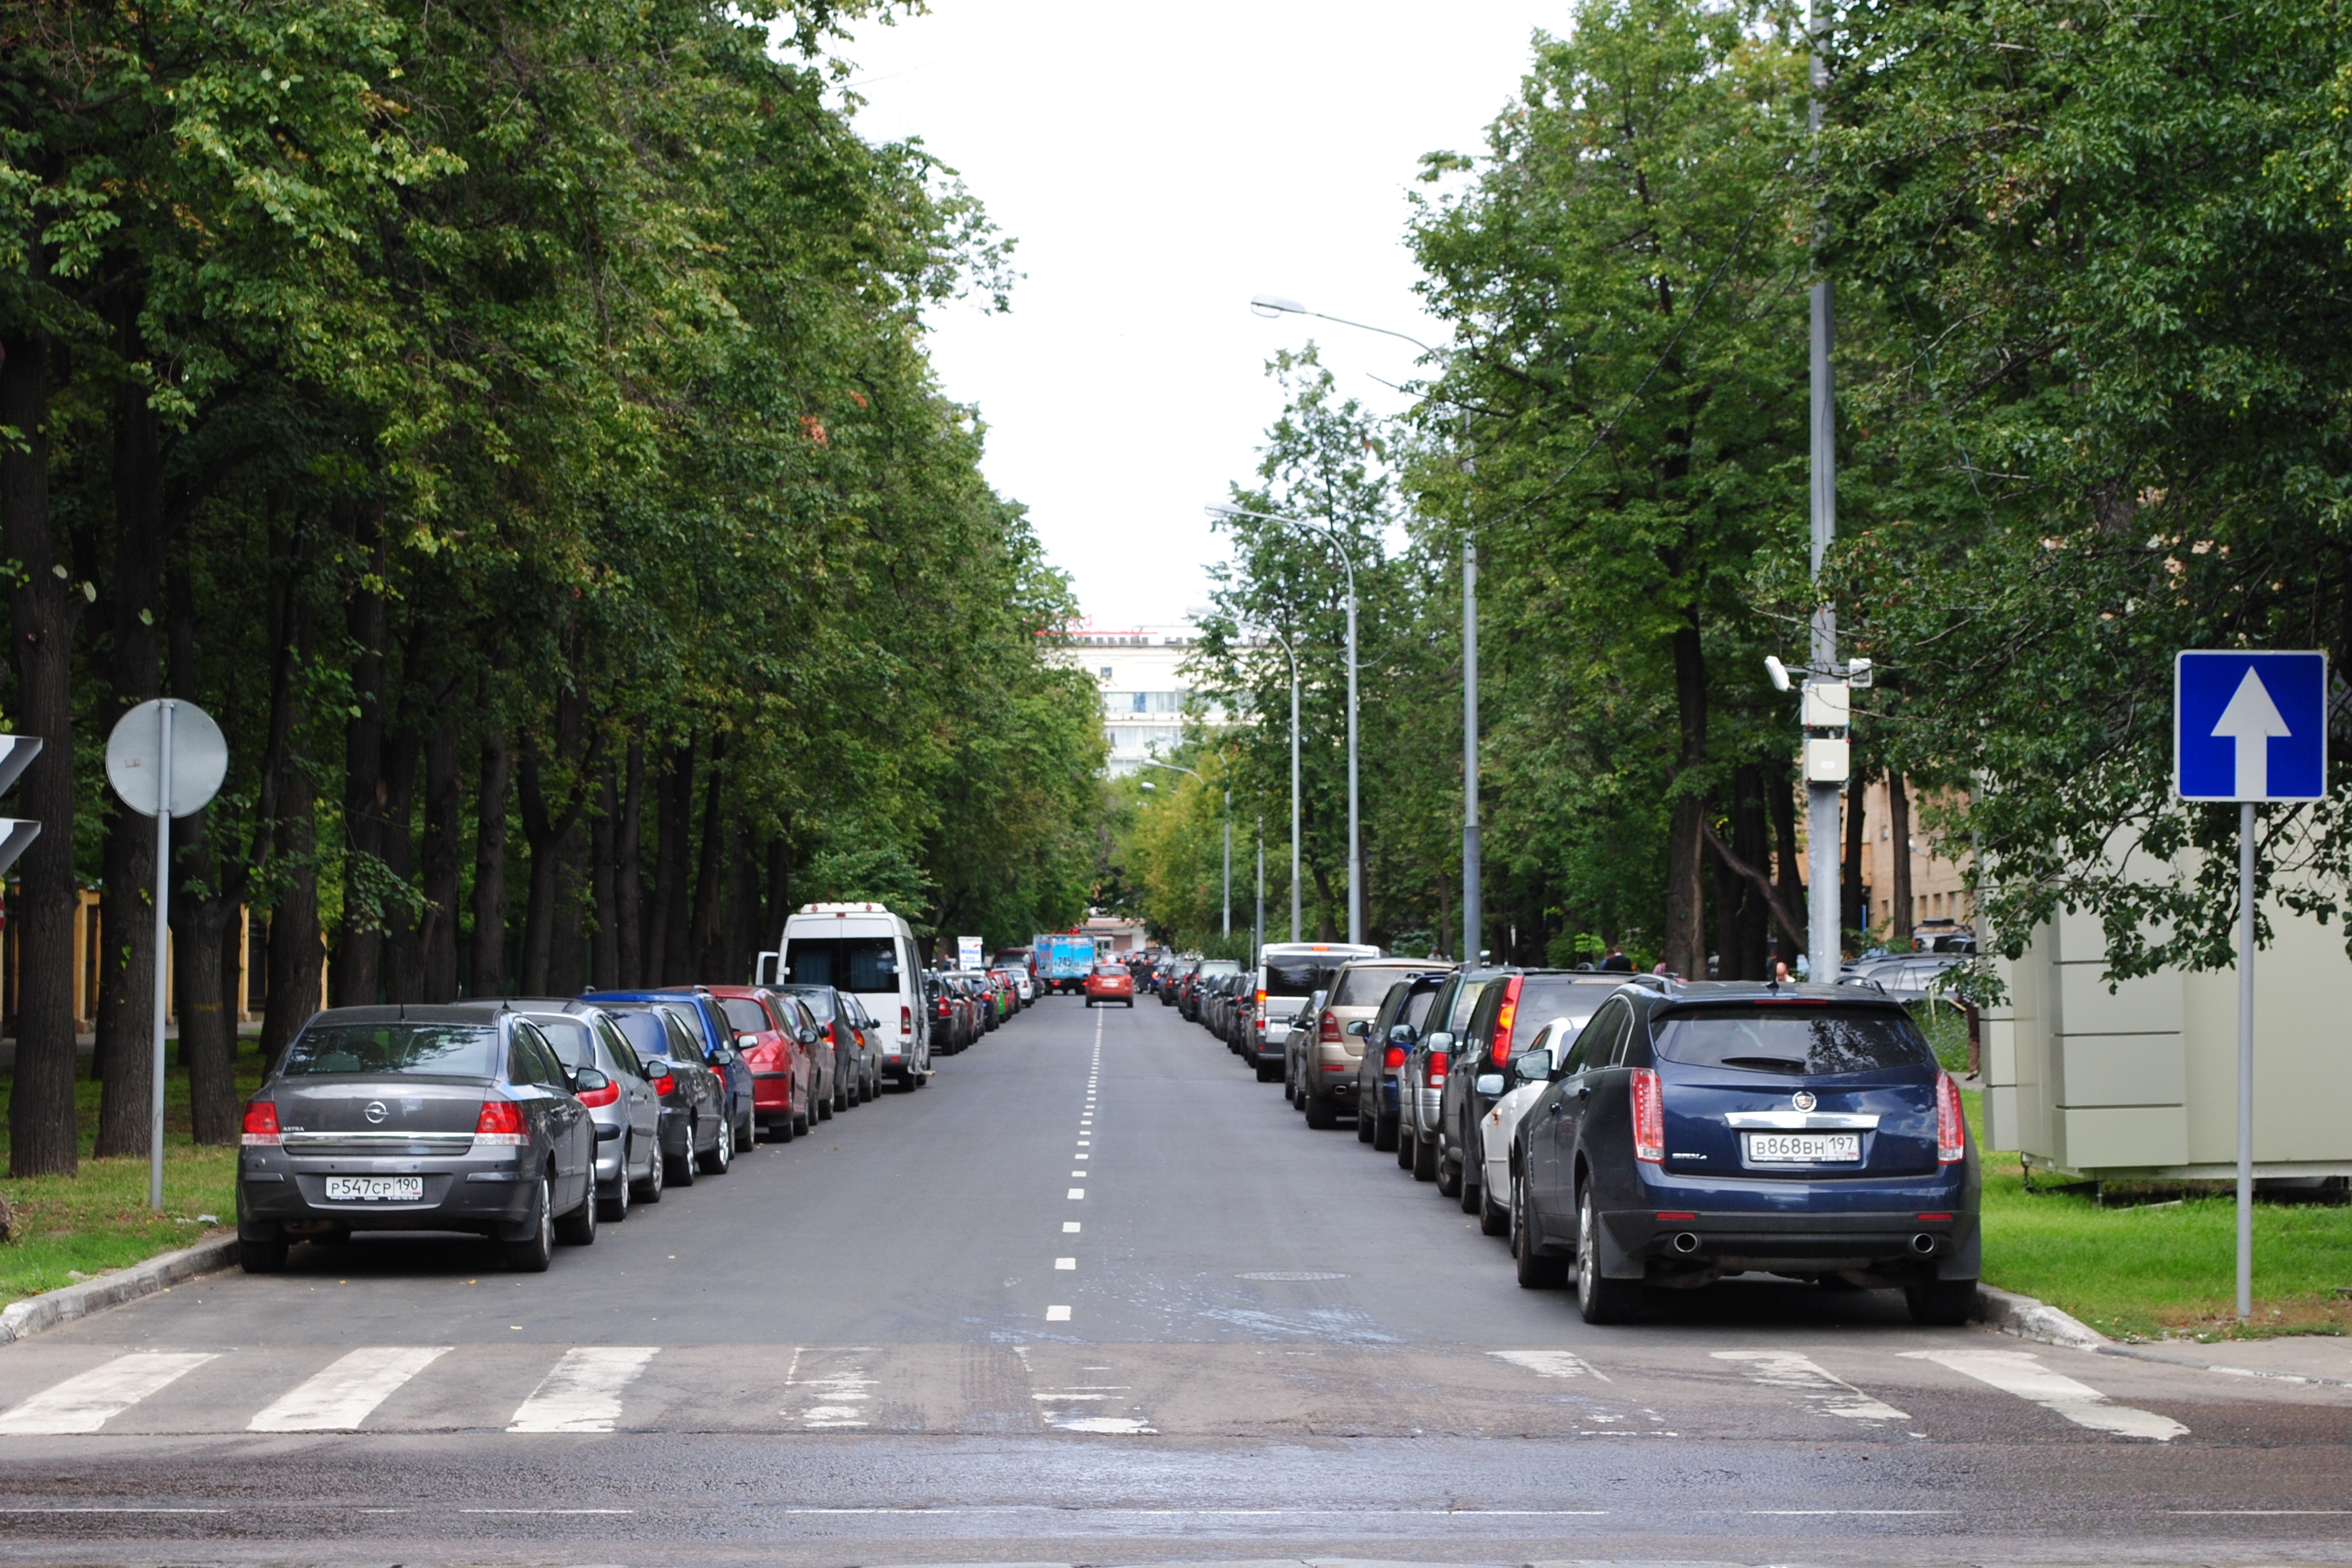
(827, 1030)
(664, 1085)
(1951, 1126)
(906, 1021)
(499, 1122)
(1501, 1053)
(1327, 1032)
(1261, 1000)
(596, 1096)
(1436, 1078)
(1394, 1058)
(1648, 1117)
(261, 1122)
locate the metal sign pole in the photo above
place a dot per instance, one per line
(163, 949)
(2245, 1061)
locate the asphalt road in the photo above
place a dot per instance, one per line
(1096, 1296)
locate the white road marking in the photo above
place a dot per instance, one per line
(583, 1391)
(1065, 1263)
(1069, 1227)
(1551, 1363)
(1077, 1157)
(839, 1396)
(1057, 1314)
(2021, 1373)
(1825, 1393)
(1078, 1192)
(88, 1401)
(346, 1394)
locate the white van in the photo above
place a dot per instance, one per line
(869, 952)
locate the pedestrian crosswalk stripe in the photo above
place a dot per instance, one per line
(1823, 1390)
(86, 1402)
(583, 1393)
(2021, 1373)
(346, 1394)
(1551, 1363)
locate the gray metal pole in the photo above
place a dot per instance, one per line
(1294, 893)
(163, 947)
(1229, 865)
(1355, 830)
(1474, 904)
(1257, 927)
(1823, 914)
(2245, 1060)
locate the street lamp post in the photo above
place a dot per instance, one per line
(1355, 835)
(1172, 768)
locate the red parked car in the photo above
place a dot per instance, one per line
(776, 1046)
(1110, 982)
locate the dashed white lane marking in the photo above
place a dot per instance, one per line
(88, 1400)
(1057, 1314)
(1078, 1192)
(346, 1394)
(1065, 1263)
(582, 1393)
(840, 1395)
(1551, 1363)
(1824, 1393)
(1069, 1227)
(2021, 1373)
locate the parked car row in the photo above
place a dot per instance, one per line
(529, 1121)
(1646, 1133)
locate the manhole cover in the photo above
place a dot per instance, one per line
(1291, 1274)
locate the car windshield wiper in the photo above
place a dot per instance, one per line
(1765, 1064)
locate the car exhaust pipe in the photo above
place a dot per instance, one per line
(1685, 1243)
(1924, 1245)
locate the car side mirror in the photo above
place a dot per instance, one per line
(588, 1080)
(1400, 1034)
(1441, 1041)
(1489, 1083)
(743, 1041)
(808, 1036)
(1359, 1026)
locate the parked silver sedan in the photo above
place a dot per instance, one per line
(625, 1111)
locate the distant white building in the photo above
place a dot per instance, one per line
(1140, 677)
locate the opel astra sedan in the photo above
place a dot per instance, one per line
(1696, 1131)
(414, 1118)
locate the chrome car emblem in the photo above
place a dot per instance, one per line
(1803, 1100)
(375, 1111)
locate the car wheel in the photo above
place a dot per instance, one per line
(1449, 1174)
(578, 1228)
(1322, 1114)
(1363, 1123)
(1467, 1180)
(1941, 1303)
(801, 1125)
(261, 1256)
(722, 1149)
(616, 1201)
(1602, 1300)
(681, 1169)
(1130, 1003)
(1424, 1158)
(1403, 1145)
(1384, 1134)
(649, 1189)
(825, 1108)
(534, 1252)
(1268, 1071)
(1492, 1220)
(1535, 1272)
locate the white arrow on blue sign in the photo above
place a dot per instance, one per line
(2250, 726)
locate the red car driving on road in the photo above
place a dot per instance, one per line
(1110, 982)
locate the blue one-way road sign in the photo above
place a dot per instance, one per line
(2250, 726)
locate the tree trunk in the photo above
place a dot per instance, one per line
(437, 937)
(604, 880)
(358, 969)
(669, 957)
(628, 877)
(566, 973)
(42, 1138)
(1686, 935)
(203, 913)
(490, 865)
(125, 1055)
(1899, 828)
(1855, 917)
(404, 957)
(1325, 930)
(1783, 790)
(1748, 837)
(780, 891)
(744, 905)
(1728, 902)
(710, 875)
(295, 949)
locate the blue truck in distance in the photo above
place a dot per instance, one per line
(1062, 962)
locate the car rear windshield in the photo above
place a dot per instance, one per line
(1220, 966)
(844, 963)
(1791, 1039)
(642, 1027)
(745, 1015)
(456, 1050)
(1362, 988)
(1300, 976)
(1543, 998)
(1111, 970)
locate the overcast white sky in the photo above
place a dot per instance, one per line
(1158, 166)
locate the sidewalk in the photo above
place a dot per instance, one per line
(2308, 1358)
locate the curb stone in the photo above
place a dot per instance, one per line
(24, 1318)
(2008, 1313)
